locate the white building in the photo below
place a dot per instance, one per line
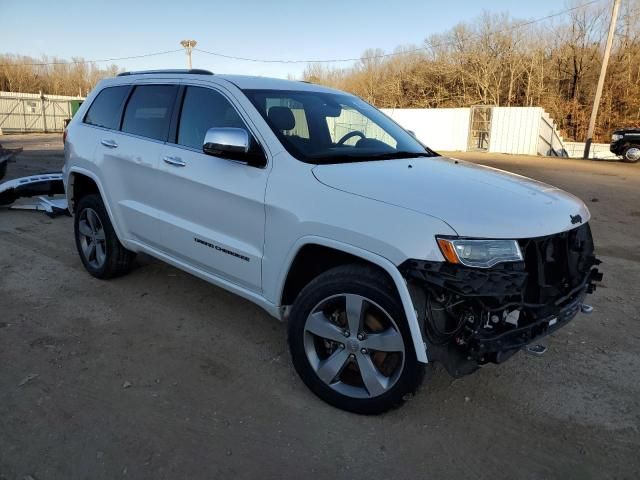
(517, 130)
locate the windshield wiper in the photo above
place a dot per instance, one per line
(368, 157)
(398, 155)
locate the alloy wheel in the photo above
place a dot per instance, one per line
(92, 238)
(354, 346)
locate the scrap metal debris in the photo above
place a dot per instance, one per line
(52, 207)
(43, 186)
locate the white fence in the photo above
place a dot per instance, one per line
(32, 112)
(598, 150)
(517, 130)
(438, 128)
(550, 142)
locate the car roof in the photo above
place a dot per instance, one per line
(243, 82)
(248, 82)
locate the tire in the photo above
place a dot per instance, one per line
(92, 226)
(631, 154)
(319, 344)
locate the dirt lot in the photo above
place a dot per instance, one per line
(161, 375)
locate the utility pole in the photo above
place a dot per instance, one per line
(603, 74)
(189, 45)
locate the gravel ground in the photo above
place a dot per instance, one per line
(161, 375)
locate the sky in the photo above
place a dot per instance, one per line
(258, 29)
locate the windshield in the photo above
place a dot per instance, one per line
(318, 127)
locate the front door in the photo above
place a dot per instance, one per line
(213, 207)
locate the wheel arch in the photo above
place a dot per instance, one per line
(336, 253)
(82, 182)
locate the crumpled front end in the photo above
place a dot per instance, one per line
(471, 316)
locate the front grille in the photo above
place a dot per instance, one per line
(558, 267)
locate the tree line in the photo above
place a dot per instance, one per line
(497, 60)
(53, 76)
(493, 60)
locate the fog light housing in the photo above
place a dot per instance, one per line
(479, 253)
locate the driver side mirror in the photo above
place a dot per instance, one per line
(232, 143)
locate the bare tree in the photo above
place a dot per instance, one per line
(497, 60)
(51, 75)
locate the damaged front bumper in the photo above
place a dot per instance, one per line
(517, 338)
(471, 316)
(44, 186)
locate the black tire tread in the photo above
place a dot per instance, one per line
(380, 286)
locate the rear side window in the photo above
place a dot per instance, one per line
(148, 112)
(203, 109)
(105, 109)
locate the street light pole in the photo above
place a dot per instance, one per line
(189, 45)
(603, 74)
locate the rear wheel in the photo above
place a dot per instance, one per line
(101, 252)
(631, 154)
(350, 342)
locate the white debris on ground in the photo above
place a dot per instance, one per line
(55, 205)
(44, 192)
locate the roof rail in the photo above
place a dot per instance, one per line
(193, 71)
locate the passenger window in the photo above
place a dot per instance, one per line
(105, 109)
(148, 112)
(203, 109)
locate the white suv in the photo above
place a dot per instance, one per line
(381, 254)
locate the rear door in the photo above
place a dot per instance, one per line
(213, 207)
(130, 160)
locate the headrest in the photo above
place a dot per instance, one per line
(282, 118)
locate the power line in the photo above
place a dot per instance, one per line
(260, 60)
(386, 55)
(79, 62)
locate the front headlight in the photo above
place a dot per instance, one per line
(479, 253)
(616, 136)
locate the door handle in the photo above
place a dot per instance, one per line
(175, 161)
(109, 143)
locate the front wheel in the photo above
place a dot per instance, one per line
(350, 342)
(631, 154)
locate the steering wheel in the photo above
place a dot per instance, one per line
(355, 133)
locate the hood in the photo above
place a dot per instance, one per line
(476, 201)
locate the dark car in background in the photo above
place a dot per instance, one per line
(626, 143)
